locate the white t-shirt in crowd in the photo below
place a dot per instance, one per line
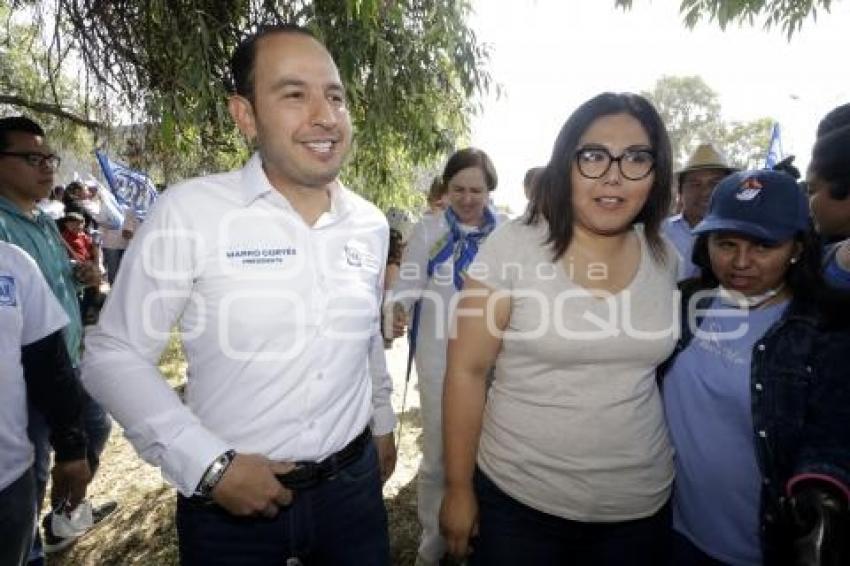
(28, 313)
(53, 208)
(573, 424)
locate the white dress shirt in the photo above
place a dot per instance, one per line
(277, 319)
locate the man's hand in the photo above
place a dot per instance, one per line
(386, 454)
(70, 480)
(249, 486)
(459, 519)
(88, 274)
(399, 320)
(127, 234)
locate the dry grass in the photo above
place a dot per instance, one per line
(142, 529)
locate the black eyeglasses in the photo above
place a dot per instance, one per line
(595, 161)
(36, 159)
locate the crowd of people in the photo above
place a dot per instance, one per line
(69, 232)
(611, 378)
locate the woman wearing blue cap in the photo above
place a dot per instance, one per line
(757, 393)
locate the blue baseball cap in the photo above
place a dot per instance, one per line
(764, 204)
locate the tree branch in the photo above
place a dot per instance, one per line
(52, 109)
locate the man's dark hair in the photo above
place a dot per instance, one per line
(831, 161)
(553, 198)
(470, 157)
(243, 57)
(17, 124)
(836, 118)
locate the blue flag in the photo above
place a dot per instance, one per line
(132, 189)
(774, 148)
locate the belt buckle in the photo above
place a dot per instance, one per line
(302, 476)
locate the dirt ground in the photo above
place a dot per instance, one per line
(142, 529)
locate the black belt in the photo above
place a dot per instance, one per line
(309, 474)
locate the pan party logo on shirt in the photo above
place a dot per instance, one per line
(358, 255)
(7, 291)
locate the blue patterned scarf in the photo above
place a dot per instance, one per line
(463, 246)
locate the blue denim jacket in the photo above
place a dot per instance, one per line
(800, 387)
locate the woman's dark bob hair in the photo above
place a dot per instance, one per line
(553, 201)
(470, 157)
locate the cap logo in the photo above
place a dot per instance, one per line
(748, 189)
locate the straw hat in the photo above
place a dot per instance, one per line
(706, 156)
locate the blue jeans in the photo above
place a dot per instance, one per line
(341, 521)
(97, 427)
(17, 517)
(513, 533)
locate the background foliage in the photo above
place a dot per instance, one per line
(411, 68)
(691, 112)
(789, 15)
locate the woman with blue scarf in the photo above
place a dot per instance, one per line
(439, 252)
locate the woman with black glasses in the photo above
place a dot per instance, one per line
(573, 305)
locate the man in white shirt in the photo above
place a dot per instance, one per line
(275, 275)
(706, 167)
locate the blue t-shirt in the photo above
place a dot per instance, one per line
(707, 403)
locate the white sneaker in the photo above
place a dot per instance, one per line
(71, 523)
(62, 528)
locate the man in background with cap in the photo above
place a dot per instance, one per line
(706, 167)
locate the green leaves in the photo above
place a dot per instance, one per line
(789, 15)
(691, 111)
(410, 68)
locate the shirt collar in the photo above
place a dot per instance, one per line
(255, 184)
